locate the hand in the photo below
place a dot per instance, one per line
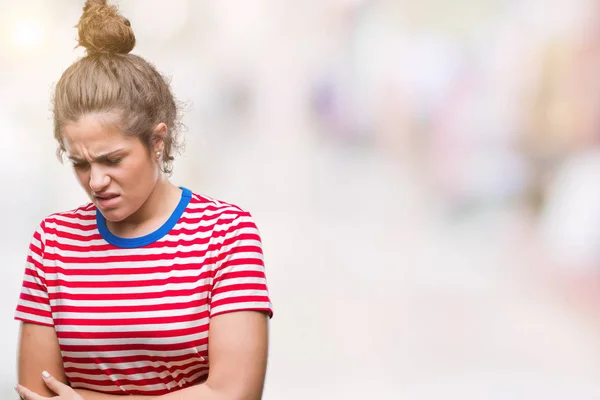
(63, 391)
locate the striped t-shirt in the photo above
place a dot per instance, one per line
(132, 315)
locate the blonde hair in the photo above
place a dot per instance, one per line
(109, 79)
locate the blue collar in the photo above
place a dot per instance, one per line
(130, 243)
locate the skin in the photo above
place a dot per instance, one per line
(105, 161)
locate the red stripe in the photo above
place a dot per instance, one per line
(241, 262)
(35, 286)
(74, 236)
(33, 272)
(30, 320)
(197, 367)
(241, 286)
(75, 226)
(240, 300)
(130, 359)
(33, 311)
(134, 347)
(34, 299)
(129, 321)
(128, 271)
(125, 309)
(126, 257)
(105, 247)
(237, 274)
(123, 296)
(266, 310)
(124, 284)
(88, 216)
(141, 382)
(34, 263)
(133, 334)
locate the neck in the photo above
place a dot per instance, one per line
(152, 214)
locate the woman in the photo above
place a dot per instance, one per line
(120, 296)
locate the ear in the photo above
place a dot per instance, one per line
(160, 135)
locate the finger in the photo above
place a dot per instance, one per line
(27, 394)
(54, 384)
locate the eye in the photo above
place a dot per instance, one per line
(80, 165)
(113, 161)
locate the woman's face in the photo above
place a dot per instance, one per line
(117, 172)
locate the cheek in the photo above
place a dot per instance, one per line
(83, 177)
(135, 174)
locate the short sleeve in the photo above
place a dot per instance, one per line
(239, 281)
(34, 305)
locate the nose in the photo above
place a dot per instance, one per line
(99, 180)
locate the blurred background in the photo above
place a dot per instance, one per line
(425, 175)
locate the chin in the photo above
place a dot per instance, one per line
(114, 215)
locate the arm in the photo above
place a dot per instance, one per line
(38, 351)
(238, 348)
(38, 348)
(238, 361)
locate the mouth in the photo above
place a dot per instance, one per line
(107, 200)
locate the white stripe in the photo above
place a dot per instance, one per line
(34, 279)
(154, 340)
(71, 231)
(240, 281)
(76, 221)
(170, 238)
(37, 258)
(221, 208)
(129, 302)
(144, 388)
(133, 328)
(239, 306)
(187, 273)
(194, 358)
(127, 290)
(129, 353)
(37, 306)
(131, 314)
(183, 249)
(36, 243)
(242, 254)
(235, 227)
(33, 317)
(238, 293)
(98, 388)
(34, 292)
(166, 251)
(132, 264)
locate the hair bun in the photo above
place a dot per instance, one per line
(102, 29)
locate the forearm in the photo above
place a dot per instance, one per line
(198, 392)
(91, 395)
(201, 391)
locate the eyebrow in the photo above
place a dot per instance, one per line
(98, 157)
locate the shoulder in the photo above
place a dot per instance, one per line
(80, 217)
(215, 209)
(222, 217)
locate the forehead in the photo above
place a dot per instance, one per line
(95, 133)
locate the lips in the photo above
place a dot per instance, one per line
(107, 200)
(106, 196)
